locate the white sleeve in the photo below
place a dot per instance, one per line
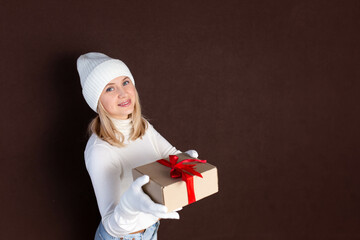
(104, 170)
(163, 146)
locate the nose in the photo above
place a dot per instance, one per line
(121, 93)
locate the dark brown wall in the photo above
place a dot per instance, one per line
(268, 91)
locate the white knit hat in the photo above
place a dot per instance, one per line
(96, 70)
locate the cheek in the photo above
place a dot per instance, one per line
(132, 93)
(106, 102)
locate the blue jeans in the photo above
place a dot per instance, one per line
(149, 234)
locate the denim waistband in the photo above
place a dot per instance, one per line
(149, 233)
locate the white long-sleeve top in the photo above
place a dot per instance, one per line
(110, 170)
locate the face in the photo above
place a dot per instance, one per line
(118, 97)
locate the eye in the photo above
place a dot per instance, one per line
(109, 89)
(126, 82)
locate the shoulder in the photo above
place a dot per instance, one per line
(152, 133)
(150, 128)
(99, 153)
(96, 145)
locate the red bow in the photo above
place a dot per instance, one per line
(178, 170)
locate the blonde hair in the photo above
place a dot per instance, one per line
(104, 128)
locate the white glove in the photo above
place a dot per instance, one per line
(134, 200)
(192, 153)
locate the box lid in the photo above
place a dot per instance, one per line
(161, 174)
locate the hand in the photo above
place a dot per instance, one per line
(135, 200)
(192, 153)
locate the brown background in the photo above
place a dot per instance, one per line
(268, 91)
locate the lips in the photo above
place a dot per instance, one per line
(125, 104)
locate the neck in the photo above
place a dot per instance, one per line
(123, 126)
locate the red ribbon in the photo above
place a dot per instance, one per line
(178, 170)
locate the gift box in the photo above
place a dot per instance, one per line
(178, 180)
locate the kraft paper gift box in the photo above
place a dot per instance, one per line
(173, 192)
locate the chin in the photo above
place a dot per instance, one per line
(127, 113)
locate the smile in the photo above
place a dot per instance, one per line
(125, 104)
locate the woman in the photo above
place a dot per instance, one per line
(121, 139)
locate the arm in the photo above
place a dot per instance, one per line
(120, 210)
(105, 174)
